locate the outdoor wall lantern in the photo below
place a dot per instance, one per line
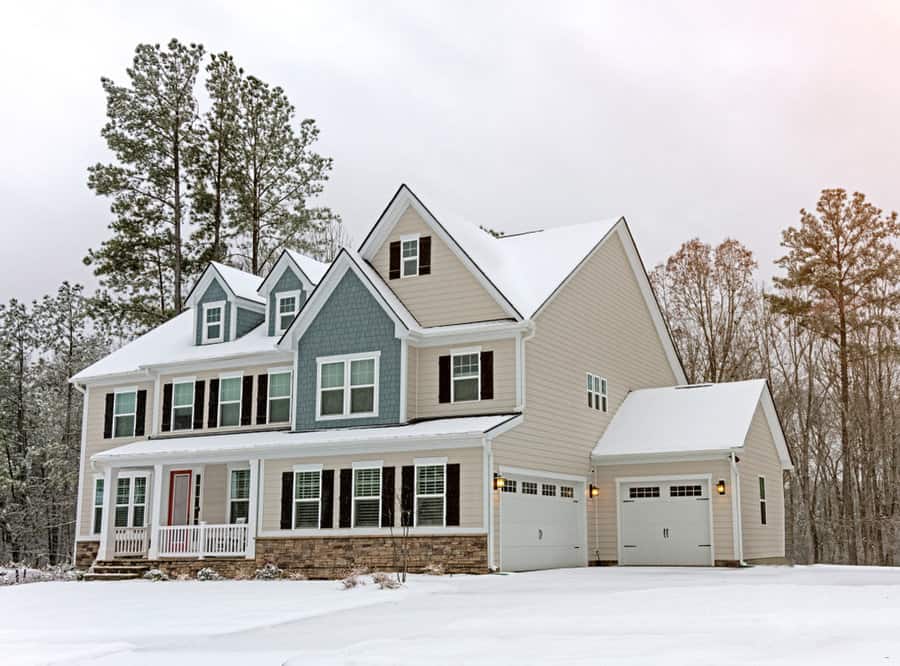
(499, 481)
(720, 487)
(595, 491)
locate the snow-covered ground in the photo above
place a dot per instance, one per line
(764, 615)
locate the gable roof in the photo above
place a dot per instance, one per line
(690, 420)
(241, 285)
(310, 270)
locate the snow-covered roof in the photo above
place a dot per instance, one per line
(174, 342)
(319, 442)
(689, 419)
(243, 285)
(312, 268)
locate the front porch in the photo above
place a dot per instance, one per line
(178, 512)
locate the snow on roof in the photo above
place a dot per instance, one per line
(527, 267)
(313, 268)
(173, 342)
(300, 443)
(682, 419)
(242, 284)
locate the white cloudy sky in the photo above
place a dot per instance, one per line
(689, 118)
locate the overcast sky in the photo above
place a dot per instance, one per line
(691, 119)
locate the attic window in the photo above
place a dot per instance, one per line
(410, 255)
(213, 322)
(287, 305)
(597, 394)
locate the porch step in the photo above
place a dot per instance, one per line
(111, 576)
(119, 570)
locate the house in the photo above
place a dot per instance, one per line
(480, 402)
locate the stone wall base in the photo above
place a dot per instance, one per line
(86, 553)
(771, 560)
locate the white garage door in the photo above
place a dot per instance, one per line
(665, 522)
(541, 524)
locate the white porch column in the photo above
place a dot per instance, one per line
(253, 510)
(156, 497)
(108, 520)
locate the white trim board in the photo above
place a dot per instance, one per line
(559, 476)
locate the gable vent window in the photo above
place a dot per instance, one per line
(287, 306)
(410, 250)
(597, 395)
(409, 256)
(763, 518)
(213, 322)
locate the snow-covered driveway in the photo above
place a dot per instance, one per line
(764, 615)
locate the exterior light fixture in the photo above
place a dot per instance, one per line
(720, 486)
(499, 482)
(594, 490)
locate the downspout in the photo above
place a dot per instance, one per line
(488, 455)
(736, 522)
(522, 340)
(83, 390)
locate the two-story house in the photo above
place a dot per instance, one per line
(505, 403)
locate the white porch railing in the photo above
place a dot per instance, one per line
(130, 540)
(202, 540)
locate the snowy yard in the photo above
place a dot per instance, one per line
(770, 615)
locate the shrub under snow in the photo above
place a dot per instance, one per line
(208, 573)
(155, 575)
(269, 572)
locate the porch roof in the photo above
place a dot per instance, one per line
(423, 435)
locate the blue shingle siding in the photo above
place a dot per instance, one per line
(287, 282)
(215, 292)
(247, 320)
(350, 322)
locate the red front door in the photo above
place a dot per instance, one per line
(180, 498)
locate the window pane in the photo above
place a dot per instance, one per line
(430, 480)
(240, 484)
(306, 515)
(362, 372)
(137, 518)
(367, 513)
(465, 389)
(431, 511)
(280, 385)
(239, 512)
(306, 485)
(287, 304)
(230, 389)
(122, 491)
(230, 414)
(98, 518)
(183, 394)
(762, 488)
(213, 315)
(410, 248)
(122, 516)
(465, 364)
(279, 410)
(410, 266)
(182, 418)
(140, 489)
(98, 493)
(367, 482)
(332, 402)
(362, 400)
(213, 331)
(125, 403)
(285, 321)
(332, 374)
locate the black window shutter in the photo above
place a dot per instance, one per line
(407, 487)
(387, 496)
(108, 415)
(247, 401)
(140, 413)
(262, 398)
(287, 500)
(425, 255)
(346, 498)
(444, 379)
(326, 516)
(213, 420)
(487, 375)
(394, 269)
(453, 494)
(199, 400)
(167, 408)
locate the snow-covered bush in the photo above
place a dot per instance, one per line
(269, 572)
(155, 575)
(434, 569)
(297, 576)
(208, 573)
(354, 578)
(385, 581)
(16, 575)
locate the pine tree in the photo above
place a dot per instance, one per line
(150, 131)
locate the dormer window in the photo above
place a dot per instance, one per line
(409, 256)
(287, 305)
(213, 322)
(410, 253)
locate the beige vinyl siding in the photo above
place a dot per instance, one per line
(760, 458)
(412, 382)
(602, 513)
(253, 371)
(470, 477)
(599, 323)
(424, 404)
(450, 294)
(95, 443)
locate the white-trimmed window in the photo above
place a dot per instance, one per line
(466, 375)
(431, 490)
(366, 496)
(98, 505)
(198, 498)
(124, 413)
(307, 498)
(347, 386)
(529, 488)
(131, 501)
(409, 256)
(566, 492)
(279, 389)
(239, 496)
(597, 392)
(548, 490)
(230, 394)
(763, 518)
(213, 322)
(286, 306)
(183, 404)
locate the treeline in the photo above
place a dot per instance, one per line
(825, 335)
